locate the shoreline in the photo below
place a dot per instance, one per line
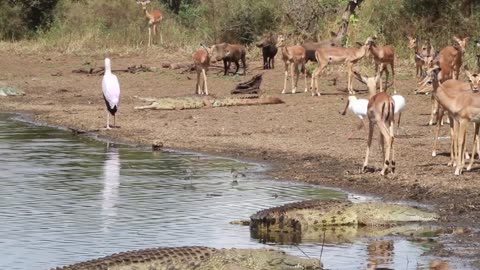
(301, 140)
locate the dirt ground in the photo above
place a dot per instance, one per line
(304, 139)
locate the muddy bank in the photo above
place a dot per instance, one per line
(304, 139)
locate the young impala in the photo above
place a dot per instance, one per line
(293, 57)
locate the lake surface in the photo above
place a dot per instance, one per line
(66, 198)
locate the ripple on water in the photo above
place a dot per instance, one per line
(65, 199)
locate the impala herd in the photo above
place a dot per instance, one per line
(437, 71)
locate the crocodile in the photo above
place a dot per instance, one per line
(198, 258)
(336, 219)
(183, 103)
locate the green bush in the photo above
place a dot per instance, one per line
(70, 25)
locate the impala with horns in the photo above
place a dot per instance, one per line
(154, 18)
(338, 55)
(463, 106)
(294, 58)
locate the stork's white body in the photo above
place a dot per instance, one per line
(358, 106)
(111, 91)
(400, 104)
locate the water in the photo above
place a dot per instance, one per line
(65, 199)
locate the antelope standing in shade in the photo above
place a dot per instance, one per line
(154, 18)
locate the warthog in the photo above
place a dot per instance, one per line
(230, 53)
(269, 50)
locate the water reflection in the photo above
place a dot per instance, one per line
(66, 199)
(111, 183)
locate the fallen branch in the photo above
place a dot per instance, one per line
(100, 71)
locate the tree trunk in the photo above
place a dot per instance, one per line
(351, 6)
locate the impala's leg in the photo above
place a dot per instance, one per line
(435, 136)
(474, 148)
(349, 79)
(197, 87)
(387, 74)
(382, 143)
(461, 146)
(478, 145)
(320, 71)
(149, 35)
(286, 77)
(161, 36)
(392, 148)
(369, 144)
(385, 134)
(393, 77)
(305, 75)
(434, 109)
(205, 81)
(399, 117)
(295, 76)
(154, 32)
(453, 143)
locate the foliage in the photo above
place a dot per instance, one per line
(70, 25)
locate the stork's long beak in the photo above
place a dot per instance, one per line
(346, 107)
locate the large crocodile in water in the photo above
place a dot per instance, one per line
(198, 258)
(339, 219)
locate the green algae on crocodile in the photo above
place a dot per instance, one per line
(198, 258)
(314, 214)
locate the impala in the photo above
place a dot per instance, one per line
(384, 56)
(338, 55)
(381, 108)
(201, 60)
(463, 106)
(293, 57)
(154, 18)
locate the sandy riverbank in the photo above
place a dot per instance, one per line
(305, 139)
